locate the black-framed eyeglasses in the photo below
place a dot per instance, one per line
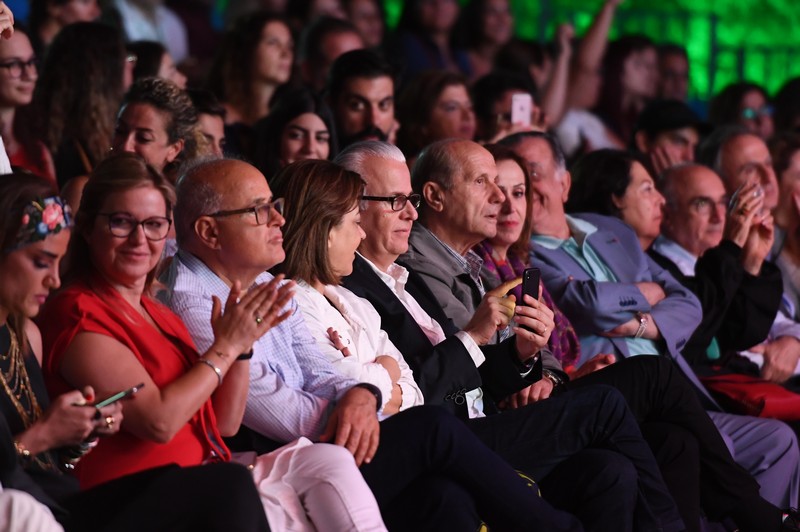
(397, 202)
(122, 225)
(16, 66)
(262, 211)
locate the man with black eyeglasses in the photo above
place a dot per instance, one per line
(455, 373)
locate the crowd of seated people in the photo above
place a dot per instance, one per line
(252, 287)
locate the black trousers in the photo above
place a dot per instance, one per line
(429, 463)
(672, 417)
(213, 498)
(210, 498)
(541, 439)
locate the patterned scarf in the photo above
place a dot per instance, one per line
(563, 341)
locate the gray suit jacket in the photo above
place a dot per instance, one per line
(595, 307)
(454, 289)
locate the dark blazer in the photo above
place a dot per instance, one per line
(738, 308)
(445, 371)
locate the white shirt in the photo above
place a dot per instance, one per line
(359, 326)
(396, 279)
(165, 27)
(579, 126)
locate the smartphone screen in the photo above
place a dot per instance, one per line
(521, 105)
(119, 396)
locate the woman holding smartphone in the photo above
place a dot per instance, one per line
(104, 329)
(42, 440)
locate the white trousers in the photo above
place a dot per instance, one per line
(308, 486)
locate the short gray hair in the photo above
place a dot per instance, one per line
(436, 163)
(512, 141)
(195, 198)
(352, 158)
(710, 150)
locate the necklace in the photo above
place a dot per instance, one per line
(17, 386)
(16, 383)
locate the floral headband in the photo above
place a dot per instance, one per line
(43, 217)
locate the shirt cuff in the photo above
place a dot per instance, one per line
(409, 396)
(472, 348)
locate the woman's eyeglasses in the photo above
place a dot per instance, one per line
(123, 225)
(15, 67)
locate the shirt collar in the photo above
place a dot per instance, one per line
(684, 260)
(199, 268)
(579, 230)
(396, 275)
(471, 263)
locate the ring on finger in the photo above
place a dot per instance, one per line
(110, 421)
(259, 320)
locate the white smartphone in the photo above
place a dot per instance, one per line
(521, 105)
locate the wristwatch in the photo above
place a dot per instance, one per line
(552, 377)
(642, 324)
(374, 390)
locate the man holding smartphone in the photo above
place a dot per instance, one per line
(462, 369)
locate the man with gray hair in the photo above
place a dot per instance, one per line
(456, 369)
(426, 470)
(444, 360)
(739, 156)
(620, 301)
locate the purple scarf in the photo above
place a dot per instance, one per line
(563, 341)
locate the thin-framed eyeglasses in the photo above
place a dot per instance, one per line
(16, 66)
(262, 212)
(398, 202)
(703, 205)
(122, 225)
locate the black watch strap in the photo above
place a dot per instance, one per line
(246, 356)
(374, 390)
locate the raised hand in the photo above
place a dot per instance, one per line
(248, 316)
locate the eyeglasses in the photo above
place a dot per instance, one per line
(16, 66)
(123, 225)
(398, 202)
(704, 205)
(262, 211)
(751, 113)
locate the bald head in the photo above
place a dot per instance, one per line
(745, 158)
(226, 217)
(694, 215)
(199, 192)
(461, 200)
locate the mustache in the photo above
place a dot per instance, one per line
(368, 132)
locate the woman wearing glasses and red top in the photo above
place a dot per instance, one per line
(105, 330)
